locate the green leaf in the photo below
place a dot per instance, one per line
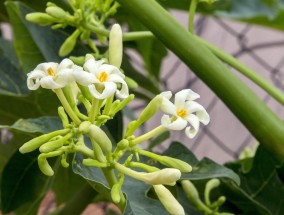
(137, 201)
(38, 103)
(261, 187)
(45, 124)
(23, 184)
(27, 51)
(204, 169)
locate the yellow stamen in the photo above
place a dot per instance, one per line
(182, 113)
(50, 71)
(103, 76)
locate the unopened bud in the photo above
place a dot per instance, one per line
(213, 183)
(115, 193)
(64, 162)
(44, 166)
(40, 18)
(63, 116)
(167, 176)
(191, 192)
(38, 141)
(131, 83)
(56, 12)
(168, 200)
(146, 114)
(100, 137)
(94, 163)
(115, 46)
(69, 44)
(55, 144)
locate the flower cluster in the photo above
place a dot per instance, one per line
(95, 85)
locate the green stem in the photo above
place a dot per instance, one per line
(94, 109)
(266, 126)
(67, 106)
(192, 9)
(249, 73)
(147, 136)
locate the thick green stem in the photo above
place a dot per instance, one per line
(249, 73)
(266, 126)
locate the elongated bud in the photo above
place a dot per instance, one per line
(69, 44)
(38, 141)
(94, 163)
(56, 12)
(117, 105)
(146, 114)
(115, 193)
(100, 137)
(131, 83)
(40, 18)
(191, 192)
(63, 116)
(55, 144)
(123, 144)
(44, 166)
(167, 176)
(168, 161)
(213, 183)
(115, 46)
(168, 200)
(63, 161)
(219, 202)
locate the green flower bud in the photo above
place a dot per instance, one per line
(168, 161)
(117, 105)
(69, 44)
(94, 163)
(84, 126)
(115, 193)
(123, 144)
(78, 60)
(219, 202)
(55, 144)
(167, 176)
(146, 114)
(56, 12)
(40, 18)
(213, 183)
(63, 116)
(131, 83)
(64, 162)
(44, 166)
(190, 192)
(168, 200)
(100, 137)
(115, 46)
(38, 141)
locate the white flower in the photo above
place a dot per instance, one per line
(51, 75)
(168, 200)
(182, 112)
(102, 79)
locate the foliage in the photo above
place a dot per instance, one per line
(249, 186)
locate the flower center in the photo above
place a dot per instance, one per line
(103, 76)
(51, 72)
(182, 113)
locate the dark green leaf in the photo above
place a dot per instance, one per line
(114, 127)
(137, 201)
(204, 169)
(23, 184)
(261, 189)
(41, 102)
(42, 125)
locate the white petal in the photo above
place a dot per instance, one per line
(82, 77)
(108, 91)
(123, 92)
(168, 107)
(48, 83)
(194, 122)
(45, 66)
(64, 76)
(33, 80)
(194, 107)
(91, 66)
(65, 63)
(180, 98)
(166, 94)
(178, 124)
(192, 95)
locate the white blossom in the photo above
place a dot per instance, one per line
(102, 79)
(51, 75)
(183, 111)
